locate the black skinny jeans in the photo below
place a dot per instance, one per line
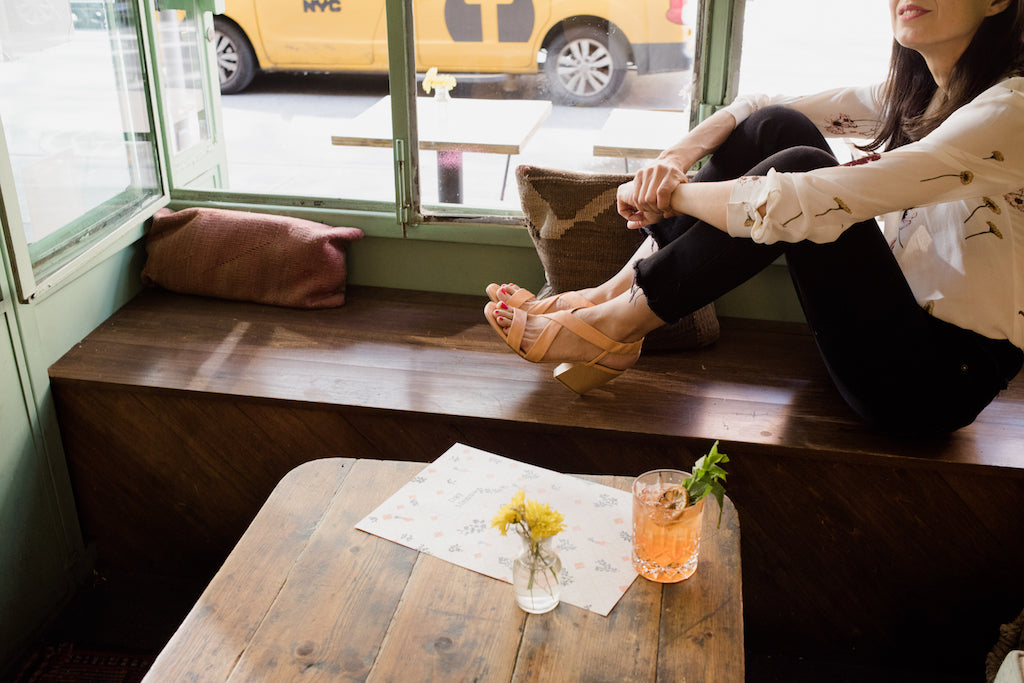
(901, 369)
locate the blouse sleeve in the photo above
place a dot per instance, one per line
(977, 151)
(842, 112)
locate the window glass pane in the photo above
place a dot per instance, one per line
(181, 79)
(74, 109)
(537, 80)
(790, 46)
(292, 75)
(564, 84)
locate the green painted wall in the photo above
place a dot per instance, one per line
(33, 549)
(467, 268)
(42, 557)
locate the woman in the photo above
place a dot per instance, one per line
(921, 325)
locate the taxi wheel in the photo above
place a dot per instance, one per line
(585, 66)
(236, 62)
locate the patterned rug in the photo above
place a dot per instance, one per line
(67, 663)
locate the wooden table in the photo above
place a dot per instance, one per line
(306, 595)
(451, 128)
(639, 133)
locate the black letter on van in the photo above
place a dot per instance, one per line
(322, 5)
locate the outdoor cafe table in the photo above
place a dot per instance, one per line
(639, 133)
(306, 595)
(450, 128)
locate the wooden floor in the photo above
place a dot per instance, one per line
(180, 414)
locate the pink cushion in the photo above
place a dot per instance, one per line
(248, 257)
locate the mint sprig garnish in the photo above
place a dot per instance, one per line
(706, 477)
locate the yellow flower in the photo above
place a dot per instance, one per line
(992, 229)
(428, 80)
(988, 204)
(509, 514)
(535, 520)
(966, 177)
(542, 521)
(840, 206)
(436, 81)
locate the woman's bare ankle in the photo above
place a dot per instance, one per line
(622, 318)
(609, 289)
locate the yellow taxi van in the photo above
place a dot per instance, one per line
(582, 47)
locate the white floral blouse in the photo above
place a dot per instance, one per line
(952, 203)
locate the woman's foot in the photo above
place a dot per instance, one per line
(515, 296)
(588, 357)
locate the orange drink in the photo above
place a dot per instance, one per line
(666, 531)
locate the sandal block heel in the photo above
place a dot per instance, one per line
(584, 377)
(579, 375)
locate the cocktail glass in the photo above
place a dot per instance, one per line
(666, 532)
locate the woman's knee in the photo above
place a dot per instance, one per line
(777, 115)
(801, 158)
(779, 127)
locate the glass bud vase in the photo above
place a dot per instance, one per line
(535, 576)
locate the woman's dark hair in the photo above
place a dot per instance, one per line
(995, 52)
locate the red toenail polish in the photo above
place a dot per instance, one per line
(503, 305)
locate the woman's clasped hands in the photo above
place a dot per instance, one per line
(648, 197)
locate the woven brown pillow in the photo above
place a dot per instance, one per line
(248, 257)
(582, 241)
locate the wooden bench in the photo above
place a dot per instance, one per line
(180, 414)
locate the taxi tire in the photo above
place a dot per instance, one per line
(233, 47)
(590, 41)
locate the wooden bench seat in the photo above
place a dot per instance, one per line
(179, 415)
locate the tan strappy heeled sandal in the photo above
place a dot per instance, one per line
(522, 299)
(580, 376)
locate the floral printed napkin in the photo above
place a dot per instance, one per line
(446, 511)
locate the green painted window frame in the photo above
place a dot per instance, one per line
(58, 259)
(718, 49)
